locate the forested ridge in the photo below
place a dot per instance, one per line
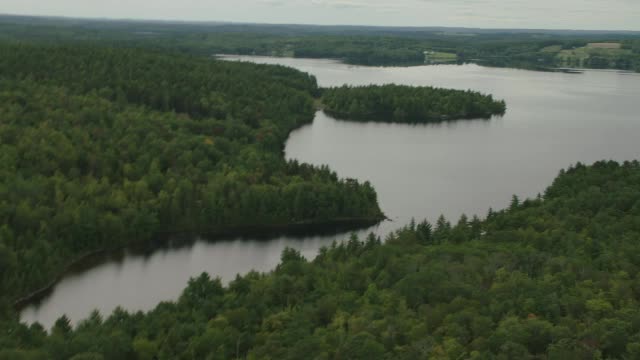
(555, 277)
(399, 103)
(102, 148)
(369, 46)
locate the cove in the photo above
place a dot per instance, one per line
(552, 120)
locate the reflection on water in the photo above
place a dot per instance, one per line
(553, 120)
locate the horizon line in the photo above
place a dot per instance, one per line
(231, 22)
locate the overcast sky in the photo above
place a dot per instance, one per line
(548, 14)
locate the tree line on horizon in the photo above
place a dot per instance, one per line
(368, 47)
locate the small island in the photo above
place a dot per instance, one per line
(408, 104)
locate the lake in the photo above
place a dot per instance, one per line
(553, 120)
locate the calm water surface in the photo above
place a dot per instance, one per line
(553, 120)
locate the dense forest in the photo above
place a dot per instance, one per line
(110, 145)
(398, 103)
(530, 49)
(102, 148)
(555, 277)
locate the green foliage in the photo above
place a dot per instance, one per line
(526, 283)
(397, 103)
(102, 148)
(105, 147)
(540, 50)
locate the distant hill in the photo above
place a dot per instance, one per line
(296, 29)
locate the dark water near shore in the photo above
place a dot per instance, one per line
(553, 120)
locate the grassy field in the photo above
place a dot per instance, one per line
(436, 57)
(552, 49)
(604, 45)
(579, 57)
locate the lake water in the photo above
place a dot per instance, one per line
(553, 120)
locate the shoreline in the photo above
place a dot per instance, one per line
(165, 238)
(179, 237)
(377, 118)
(479, 61)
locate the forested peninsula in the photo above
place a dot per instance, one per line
(408, 104)
(102, 148)
(555, 277)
